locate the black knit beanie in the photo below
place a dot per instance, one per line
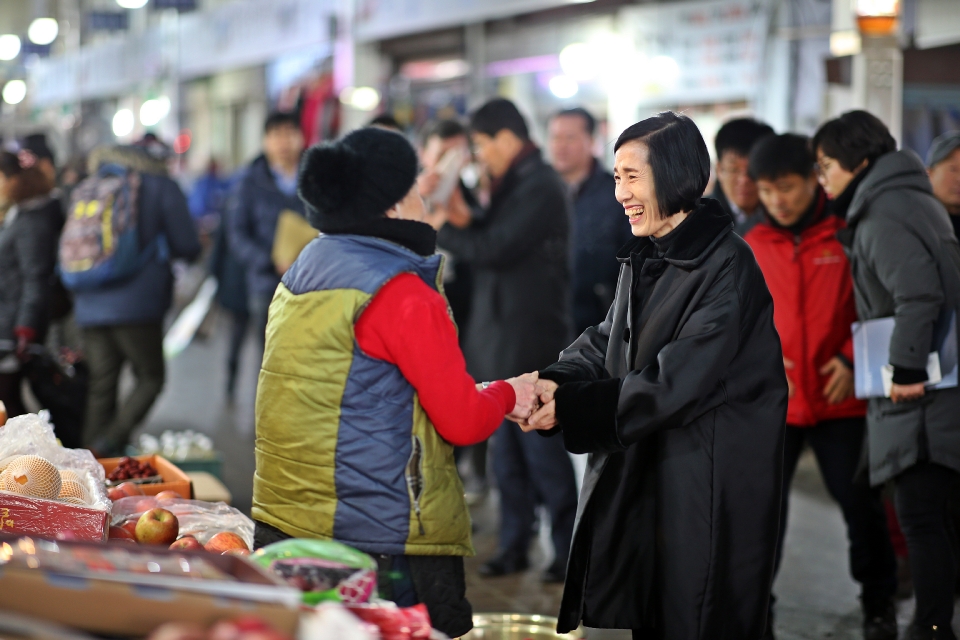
(357, 178)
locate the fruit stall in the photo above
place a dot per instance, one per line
(122, 548)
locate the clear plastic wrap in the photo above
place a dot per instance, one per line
(32, 434)
(197, 518)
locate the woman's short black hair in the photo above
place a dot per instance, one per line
(854, 137)
(776, 156)
(499, 114)
(678, 157)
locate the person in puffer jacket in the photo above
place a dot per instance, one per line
(364, 391)
(809, 278)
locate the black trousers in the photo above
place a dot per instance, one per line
(436, 581)
(531, 470)
(837, 446)
(921, 497)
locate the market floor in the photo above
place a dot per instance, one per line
(816, 596)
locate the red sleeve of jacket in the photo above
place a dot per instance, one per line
(407, 324)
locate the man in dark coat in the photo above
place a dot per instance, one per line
(519, 321)
(680, 399)
(735, 190)
(268, 187)
(599, 227)
(906, 265)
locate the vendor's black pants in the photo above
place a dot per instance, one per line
(837, 446)
(921, 499)
(436, 581)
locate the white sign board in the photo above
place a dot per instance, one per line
(698, 52)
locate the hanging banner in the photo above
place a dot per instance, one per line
(697, 52)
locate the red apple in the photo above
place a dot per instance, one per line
(224, 541)
(157, 526)
(115, 493)
(120, 532)
(168, 495)
(187, 543)
(130, 526)
(130, 489)
(236, 552)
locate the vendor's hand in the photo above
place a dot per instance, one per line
(788, 365)
(528, 400)
(907, 392)
(543, 420)
(840, 385)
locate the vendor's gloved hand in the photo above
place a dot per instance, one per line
(25, 336)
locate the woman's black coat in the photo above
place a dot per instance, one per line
(680, 397)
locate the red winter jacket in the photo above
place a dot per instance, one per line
(813, 307)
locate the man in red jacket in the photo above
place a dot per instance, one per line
(809, 277)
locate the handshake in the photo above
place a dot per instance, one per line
(536, 408)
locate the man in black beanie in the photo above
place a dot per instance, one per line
(519, 322)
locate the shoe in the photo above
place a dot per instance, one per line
(917, 633)
(554, 574)
(879, 619)
(503, 565)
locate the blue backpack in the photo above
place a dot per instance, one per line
(100, 243)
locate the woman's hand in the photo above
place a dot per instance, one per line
(528, 396)
(543, 420)
(907, 392)
(840, 385)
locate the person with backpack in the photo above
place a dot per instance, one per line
(809, 278)
(126, 222)
(28, 258)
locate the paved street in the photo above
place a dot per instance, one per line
(816, 596)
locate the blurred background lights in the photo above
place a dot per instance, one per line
(362, 98)
(9, 46)
(580, 61)
(153, 111)
(14, 91)
(664, 70)
(123, 123)
(43, 31)
(131, 4)
(563, 87)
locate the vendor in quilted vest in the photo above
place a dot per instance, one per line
(364, 392)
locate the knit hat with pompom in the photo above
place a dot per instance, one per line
(356, 178)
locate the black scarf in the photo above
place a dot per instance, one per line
(841, 203)
(419, 237)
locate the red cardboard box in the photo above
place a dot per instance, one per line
(173, 478)
(47, 518)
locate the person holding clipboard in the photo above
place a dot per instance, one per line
(906, 267)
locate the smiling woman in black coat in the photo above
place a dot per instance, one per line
(680, 399)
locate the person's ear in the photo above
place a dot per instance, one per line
(394, 211)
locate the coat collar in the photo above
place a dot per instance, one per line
(696, 236)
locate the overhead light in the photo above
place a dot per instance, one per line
(123, 123)
(664, 70)
(563, 87)
(14, 91)
(362, 98)
(877, 17)
(131, 4)
(153, 111)
(43, 31)
(580, 61)
(9, 46)
(845, 43)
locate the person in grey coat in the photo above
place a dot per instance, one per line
(906, 265)
(680, 398)
(29, 232)
(519, 321)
